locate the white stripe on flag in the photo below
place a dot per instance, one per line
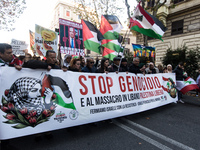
(94, 39)
(157, 29)
(145, 23)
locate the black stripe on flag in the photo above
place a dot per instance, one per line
(94, 29)
(62, 84)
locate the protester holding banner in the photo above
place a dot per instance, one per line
(169, 68)
(160, 68)
(152, 69)
(89, 66)
(82, 59)
(104, 66)
(67, 60)
(134, 68)
(7, 58)
(124, 65)
(50, 62)
(115, 65)
(75, 65)
(165, 70)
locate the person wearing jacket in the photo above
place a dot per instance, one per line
(89, 66)
(179, 77)
(49, 63)
(7, 58)
(135, 68)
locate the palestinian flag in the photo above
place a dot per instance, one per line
(60, 88)
(110, 28)
(111, 48)
(187, 85)
(144, 50)
(91, 37)
(147, 24)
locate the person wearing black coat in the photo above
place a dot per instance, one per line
(179, 72)
(115, 65)
(134, 68)
(50, 62)
(90, 67)
(124, 66)
(179, 77)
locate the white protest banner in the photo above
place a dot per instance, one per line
(39, 101)
(45, 40)
(18, 47)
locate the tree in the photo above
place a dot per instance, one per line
(9, 11)
(92, 10)
(190, 57)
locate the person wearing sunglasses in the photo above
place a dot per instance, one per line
(89, 66)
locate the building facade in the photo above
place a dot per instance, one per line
(183, 23)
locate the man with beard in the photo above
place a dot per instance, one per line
(50, 62)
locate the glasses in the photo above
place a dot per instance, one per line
(91, 62)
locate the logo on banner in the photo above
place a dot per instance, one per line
(31, 101)
(169, 87)
(73, 115)
(60, 117)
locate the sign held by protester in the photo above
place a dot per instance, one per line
(71, 38)
(45, 40)
(39, 101)
(19, 47)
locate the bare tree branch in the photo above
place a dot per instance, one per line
(128, 8)
(9, 11)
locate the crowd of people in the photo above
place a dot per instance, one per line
(89, 64)
(77, 63)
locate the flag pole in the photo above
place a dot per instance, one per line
(124, 47)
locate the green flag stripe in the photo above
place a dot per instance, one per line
(60, 102)
(93, 46)
(111, 36)
(112, 46)
(110, 56)
(147, 32)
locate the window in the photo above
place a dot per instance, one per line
(79, 16)
(177, 27)
(68, 13)
(177, 1)
(126, 40)
(126, 51)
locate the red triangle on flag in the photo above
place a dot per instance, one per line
(45, 84)
(105, 25)
(107, 51)
(105, 41)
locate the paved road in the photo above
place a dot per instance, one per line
(174, 126)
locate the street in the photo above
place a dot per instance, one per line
(173, 126)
